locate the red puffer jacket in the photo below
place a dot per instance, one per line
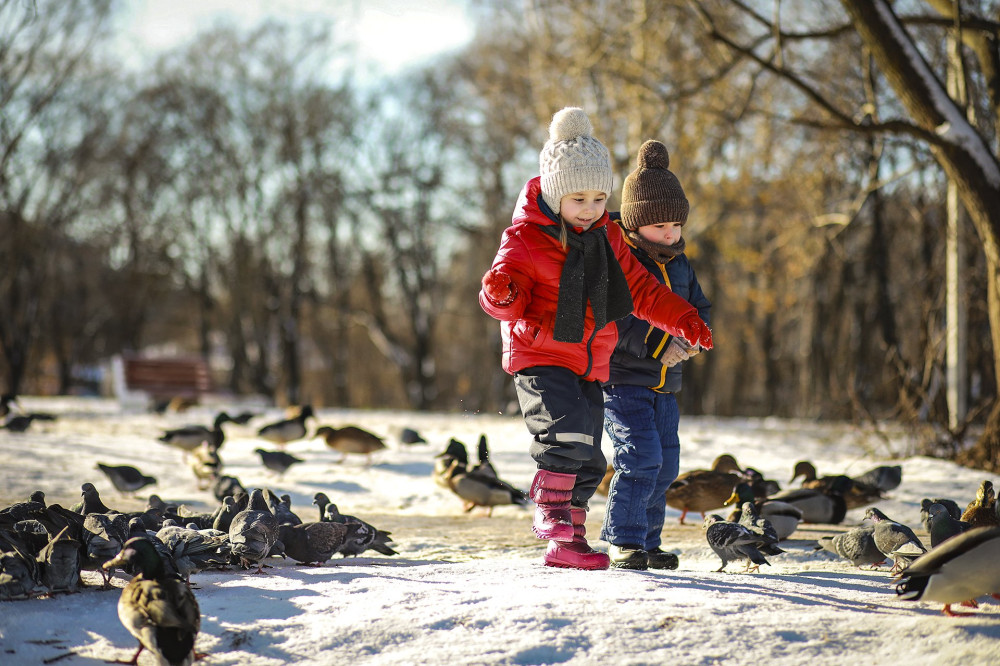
(534, 261)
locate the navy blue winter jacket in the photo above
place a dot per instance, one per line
(636, 357)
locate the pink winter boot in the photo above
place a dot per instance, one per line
(576, 553)
(551, 492)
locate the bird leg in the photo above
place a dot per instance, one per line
(970, 603)
(133, 661)
(950, 613)
(684, 513)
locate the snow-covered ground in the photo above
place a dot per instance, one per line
(469, 589)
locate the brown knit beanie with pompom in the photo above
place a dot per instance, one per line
(652, 194)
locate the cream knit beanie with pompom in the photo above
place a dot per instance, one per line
(572, 160)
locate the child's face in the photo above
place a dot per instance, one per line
(666, 233)
(582, 209)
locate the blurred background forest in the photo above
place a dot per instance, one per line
(318, 235)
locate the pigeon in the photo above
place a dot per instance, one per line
(856, 545)
(956, 571)
(19, 511)
(277, 461)
(883, 477)
(366, 537)
(190, 437)
(894, 539)
(750, 519)
(253, 532)
(282, 510)
(411, 436)
(18, 575)
(104, 534)
(942, 526)
(982, 511)
(351, 439)
(287, 430)
(224, 516)
(125, 478)
(316, 542)
(732, 541)
(227, 486)
(92, 502)
(950, 505)
(158, 608)
(60, 563)
(192, 551)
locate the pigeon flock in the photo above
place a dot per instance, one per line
(44, 547)
(160, 549)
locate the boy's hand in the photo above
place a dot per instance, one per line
(674, 354)
(499, 288)
(695, 331)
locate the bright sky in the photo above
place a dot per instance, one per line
(390, 33)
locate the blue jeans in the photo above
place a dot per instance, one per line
(642, 425)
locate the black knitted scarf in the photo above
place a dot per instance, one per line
(591, 272)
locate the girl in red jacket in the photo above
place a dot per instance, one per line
(560, 279)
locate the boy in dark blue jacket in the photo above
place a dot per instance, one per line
(640, 410)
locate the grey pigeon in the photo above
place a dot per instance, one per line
(750, 519)
(253, 532)
(957, 571)
(103, 537)
(942, 526)
(732, 542)
(894, 539)
(59, 562)
(856, 545)
(227, 486)
(883, 477)
(951, 505)
(18, 576)
(282, 510)
(125, 478)
(224, 517)
(192, 551)
(365, 537)
(92, 502)
(315, 542)
(277, 461)
(411, 436)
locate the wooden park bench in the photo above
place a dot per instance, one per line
(138, 378)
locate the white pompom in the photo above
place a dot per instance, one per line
(570, 123)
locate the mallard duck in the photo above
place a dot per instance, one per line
(732, 541)
(277, 461)
(894, 539)
(125, 478)
(365, 537)
(982, 511)
(704, 489)
(18, 422)
(856, 545)
(784, 516)
(287, 430)
(455, 451)
(351, 440)
(816, 505)
(190, 437)
(6, 400)
(158, 609)
(856, 494)
(956, 571)
(205, 464)
(476, 488)
(253, 532)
